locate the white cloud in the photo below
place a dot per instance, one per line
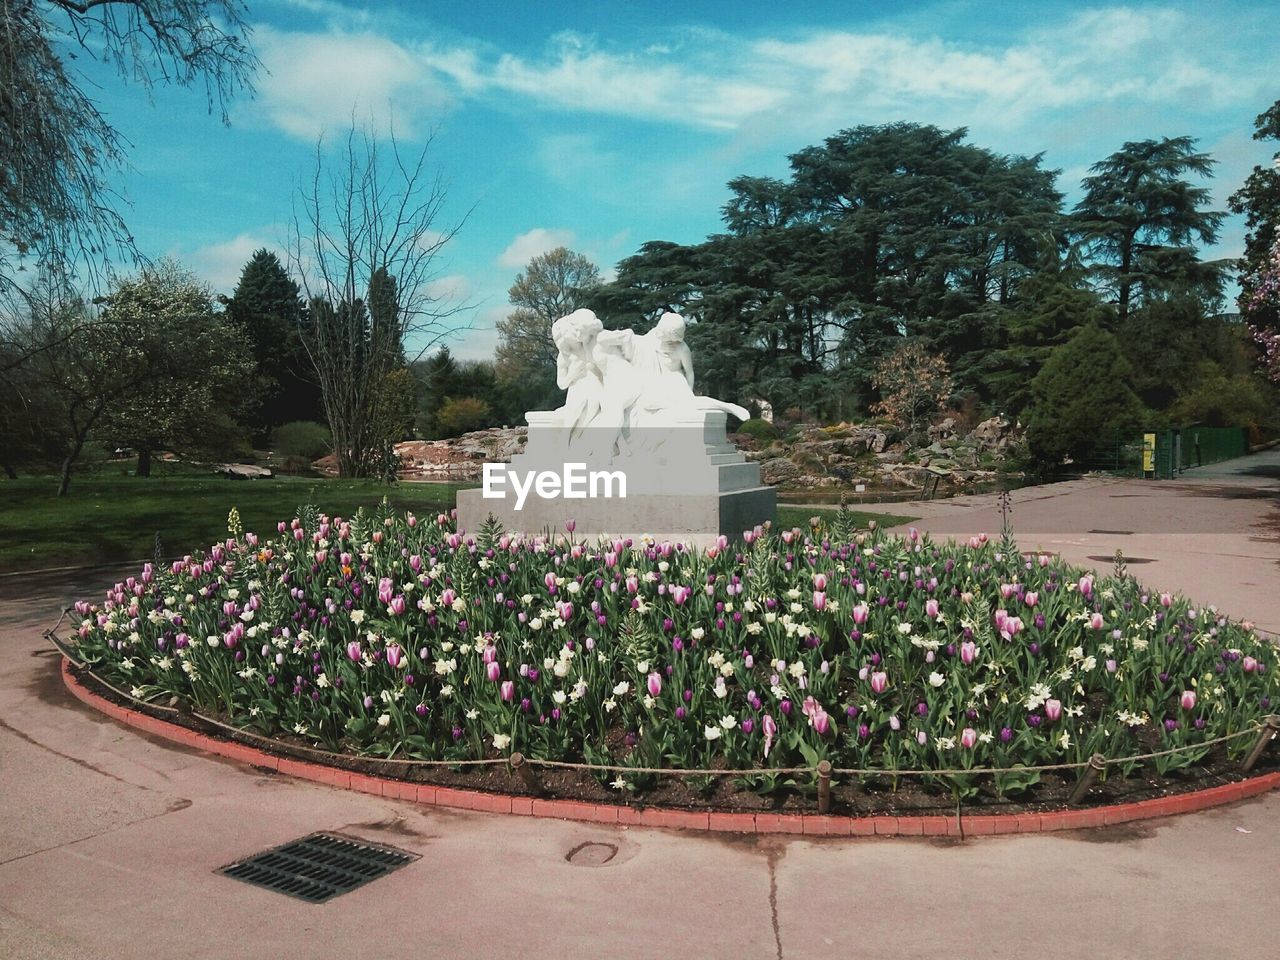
(452, 290)
(532, 243)
(220, 264)
(317, 82)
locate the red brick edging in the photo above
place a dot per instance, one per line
(812, 824)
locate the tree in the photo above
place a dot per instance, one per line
(552, 285)
(1082, 406)
(267, 307)
(463, 415)
(913, 384)
(57, 148)
(1259, 200)
(880, 233)
(1139, 218)
(192, 372)
(365, 245)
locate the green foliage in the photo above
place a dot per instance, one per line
(267, 307)
(1216, 399)
(1082, 405)
(552, 285)
(305, 439)
(762, 431)
(1139, 217)
(189, 370)
(462, 415)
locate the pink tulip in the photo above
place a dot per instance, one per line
(1111, 666)
(1007, 590)
(493, 671)
(353, 651)
(968, 652)
(395, 656)
(679, 594)
(1096, 621)
(770, 729)
(1001, 616)
(1031, 598)
(397, 606)
(968, 738)
(1012, 627)
(820, 722)
(508, 689)
(879, 681)
(571, 525)
(1053, 710)
(819, 600)
(860, 613)
(931, 608)
(1085, 584)
(654, 683)
(1166, 600)
(820, 581)
(447, 597)
(633, 585)
(1188, 700)
(1249, 664)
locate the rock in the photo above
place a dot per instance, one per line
(990, 433)
(243, 471)
(779, 470)
(944, 429)
(879, 440)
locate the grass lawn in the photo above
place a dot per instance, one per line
(111, 515)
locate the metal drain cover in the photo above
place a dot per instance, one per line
(591, 854)
(319, 867)
(1101, 559)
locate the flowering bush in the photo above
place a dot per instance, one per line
(1260, 304)
(387, 636)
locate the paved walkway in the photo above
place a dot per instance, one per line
(1213, 534)
(109, 840)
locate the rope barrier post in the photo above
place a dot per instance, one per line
(521, 766)
(824, 786)
(1270, 727)
(1097, 763)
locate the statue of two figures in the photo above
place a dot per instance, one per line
(624, 389)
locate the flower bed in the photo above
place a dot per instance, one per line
(383, 636)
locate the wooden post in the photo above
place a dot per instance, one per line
(1097, 763)
(521, 766)
(1270, 727)
(824, 786)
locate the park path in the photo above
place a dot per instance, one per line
(1213, 534)
(109, 843)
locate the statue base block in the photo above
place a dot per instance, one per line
(694, 519)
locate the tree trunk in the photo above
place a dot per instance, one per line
(64, 481)
(10, 472)
(144, 463)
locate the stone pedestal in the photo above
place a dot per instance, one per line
(684, 482)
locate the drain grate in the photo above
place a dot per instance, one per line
(319, 867)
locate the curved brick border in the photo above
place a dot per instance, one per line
(796, 823)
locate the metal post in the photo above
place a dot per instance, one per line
(1097, 763)
(521, 766)
(824, 786)
(1270, 727)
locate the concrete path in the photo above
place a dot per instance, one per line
(1213, 534)
(109, 843)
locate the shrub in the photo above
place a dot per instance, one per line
(462, 415)
(302, 439)
(762, 431)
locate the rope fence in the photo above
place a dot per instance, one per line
(1263, 732)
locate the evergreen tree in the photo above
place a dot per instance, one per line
(267, 307)
(1082, 408)
(1140, 217)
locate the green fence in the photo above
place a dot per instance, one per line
(1181, 448)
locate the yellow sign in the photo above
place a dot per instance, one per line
(1148, 453)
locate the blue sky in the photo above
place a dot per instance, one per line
(603, 125)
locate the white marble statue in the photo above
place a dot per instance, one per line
(618, 381)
